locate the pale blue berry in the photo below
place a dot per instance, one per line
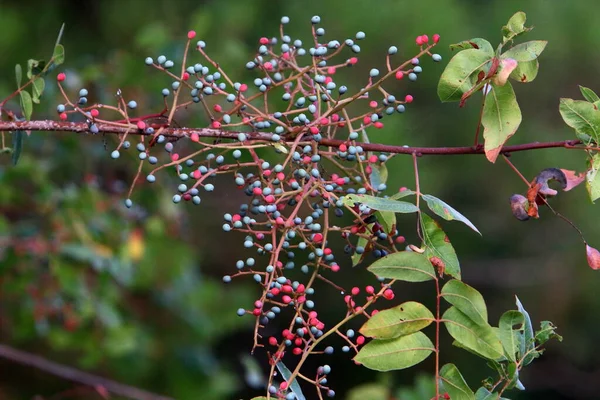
(132, 104)
(115, 154)
(392, 50)
(149, 61)
(436, 57)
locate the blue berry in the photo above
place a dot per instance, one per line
(240, 312)
(161, 59)
(316, 19)
(201, 44)
(227, 279)
(83, 93)
(94, 129)
(412, 76)
(436, 57)
(242, 137)
(392, 50)
(196, 200)
(176, 198)
(60, 108)
(132, 104)
(209, 187)
(115, 154)
(400, 108)
(328, 350)
(285, 20)
(165, 92)
(149, 61)
(128, 203)
(360, 35)
(151, 178)
(417, 69)
(169, 64)
(374, 72)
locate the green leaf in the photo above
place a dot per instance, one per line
(446, 211)
(19, 74)
(38, 89)
(582, 116)
(480, 339)
(547, 331)
(526, 71)
(293, 386)
(508, 336)
(407, 318)
(514, 27)
(280, 147)
(455, 384)
(527, 51)
(402, 194)
(17, 145)
(35, 67)
(58, 55)
(393, 354)
(361, 242)
(466, 299)
(501, 118)
(589, 94)
(406, 266)
(592, 178)
(26, 104)
(460, 75)
(380, 203)
(379, 175)
(527, 351)
(484, 394)
(387, 219)
(437, 244)
(371, 391)
(475, 43)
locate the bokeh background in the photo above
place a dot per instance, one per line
(136, 295)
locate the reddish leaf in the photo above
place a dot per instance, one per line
(573, 178)
(593, 257)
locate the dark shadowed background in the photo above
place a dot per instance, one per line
(137, 295)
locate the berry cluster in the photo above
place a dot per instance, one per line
(297, 107)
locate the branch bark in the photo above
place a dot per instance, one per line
(75, 375)
(82, 127)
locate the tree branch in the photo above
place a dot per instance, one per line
(82, 127)
(76, 375)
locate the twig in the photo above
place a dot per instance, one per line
(82, 127)
(76, 375)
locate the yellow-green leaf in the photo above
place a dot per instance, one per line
(37, 89)
(406, 266)
(514, 27)
(526, 71)
(527, 51)
(582, 116)
(446, 211)
(500, 120)
(438, 246)
(480, 339)
(393, 354)
(455, 384)
(407, 318)
(460, 75)
(26, 104)
(468, 300)
(380, 203)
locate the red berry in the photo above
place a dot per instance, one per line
(352, 60)
(216, 124)
(63, 116)
(185, 76)
(388, 294)
(268, 66)
(243, 87)
(370, 289)
(283, 385)
(343, 147)
(195, 138)
(141, 125)
(218, 108)
(314, 130)
(61, 77)
(94, 112)
(378, 125)
(399, 75)
(273, 341)
(373, 104)
(191, 34)
(408, 98)
(355, 291)
(425, 38)
(419, 40)
(263, 40)
(174, 157)
(360, 340)
(436, 38)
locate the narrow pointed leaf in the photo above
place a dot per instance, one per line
(379, 175)
(26, 104)
(508, 336)
(475, 43)
(293, 386)
(527, 51)
(589, 94)
(19, 74)
(17, 146)
(455, 384)
(438, 248)
(460, 75)
(406, 266)
(393, 354)
(468, 300)
(525, 71)
(501, 118)
(582, 116)
(481, 339)
(380, 203)
(527, 350)
(402, 194)
(407, 318)
(445, 211)
(58, 56)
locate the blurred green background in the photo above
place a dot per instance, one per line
(136, 295)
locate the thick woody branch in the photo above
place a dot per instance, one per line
(82, 127)
(76, 375)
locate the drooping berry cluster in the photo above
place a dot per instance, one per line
(296, 106)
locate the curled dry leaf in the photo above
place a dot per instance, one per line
(573, 178)
(593, 257)
(539, 188)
